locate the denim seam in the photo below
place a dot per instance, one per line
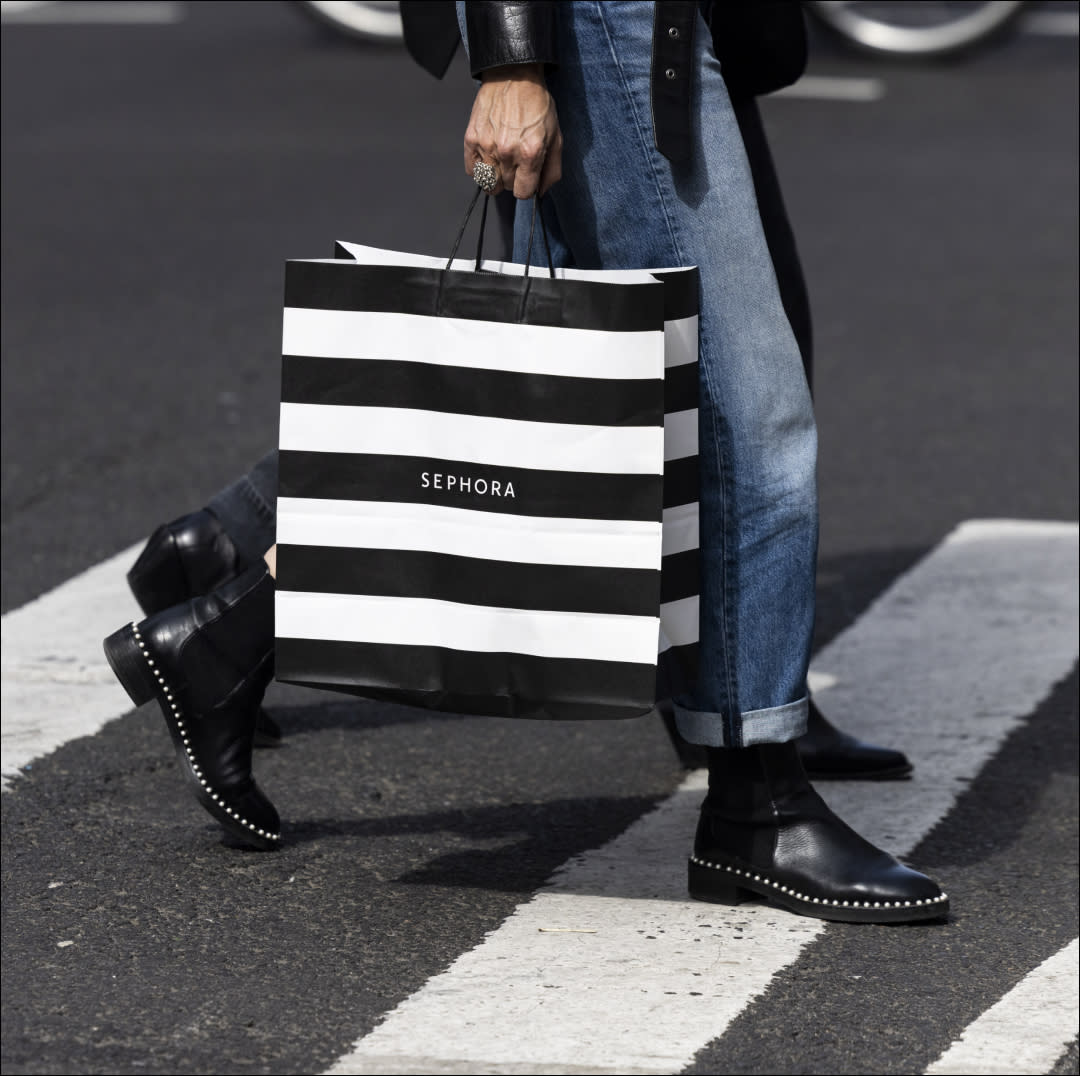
(732, 730)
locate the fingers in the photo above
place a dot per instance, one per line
(526, 179)
(514, 127)
(521, 173)
(482, 150)
(525, 175)
(551, 172)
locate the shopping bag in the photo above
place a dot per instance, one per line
(475, 511)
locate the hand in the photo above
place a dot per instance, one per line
(514, 126)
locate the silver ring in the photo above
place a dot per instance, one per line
(486, 176)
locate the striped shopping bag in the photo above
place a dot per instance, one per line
(488, 497)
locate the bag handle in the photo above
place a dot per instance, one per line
(537, 212)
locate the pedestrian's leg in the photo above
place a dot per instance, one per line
(621, 204)
(197, 553)
(247, 508)
(206, 663)
(826, 751)
(763, 831)
(200, 551)
(779, 237)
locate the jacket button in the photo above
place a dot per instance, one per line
(673, 31)
(669, 73)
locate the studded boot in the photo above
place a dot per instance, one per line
(765, 833)
(185, 559)
(207, 663)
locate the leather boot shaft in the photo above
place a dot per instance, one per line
(206, 663)
(765, 831)
(746, 786)
(220, 647)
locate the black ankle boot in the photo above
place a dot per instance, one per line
(831, 755)
(185, 559)
(765, 832)
(207, 663)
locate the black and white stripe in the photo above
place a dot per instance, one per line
(473, 512)
(681, 561)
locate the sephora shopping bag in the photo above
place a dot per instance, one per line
(488, 497)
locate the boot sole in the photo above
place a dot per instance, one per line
(720, 883)
(134, 668)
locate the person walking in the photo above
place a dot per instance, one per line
(762, 46)
(619, 114)
(631, 96)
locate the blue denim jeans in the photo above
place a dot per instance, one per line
(247, 508)
(622, 205)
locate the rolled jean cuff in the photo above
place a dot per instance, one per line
(777, 724)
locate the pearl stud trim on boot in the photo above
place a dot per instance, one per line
(764, 832)
(755, 884)
(206, 663)
(175, 719)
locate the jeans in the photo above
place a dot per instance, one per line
(622, 205)
(247, 509)
(778, 234)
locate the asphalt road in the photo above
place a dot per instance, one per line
(155, 177)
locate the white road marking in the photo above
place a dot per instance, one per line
(946, 663)
(55, 684)
(77, 12)
(1026, 1031)
(1052, 23)
(829, 88)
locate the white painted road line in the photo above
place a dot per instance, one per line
(946, 663)
(87, 12)
(827, 88)
(949, 661)
(55, 684)
(1052, 23)
(1026, 1031)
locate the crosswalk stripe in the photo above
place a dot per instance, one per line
(82, 12)
(833, 88)
(1051, 23)
(1026, 1031)
(54, 682)
(611, 969)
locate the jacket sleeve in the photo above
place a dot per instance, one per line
(502, 32)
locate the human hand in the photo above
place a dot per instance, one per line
(514, 127)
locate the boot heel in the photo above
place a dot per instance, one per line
(157, 578)
(126, 659)
(715, 886)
